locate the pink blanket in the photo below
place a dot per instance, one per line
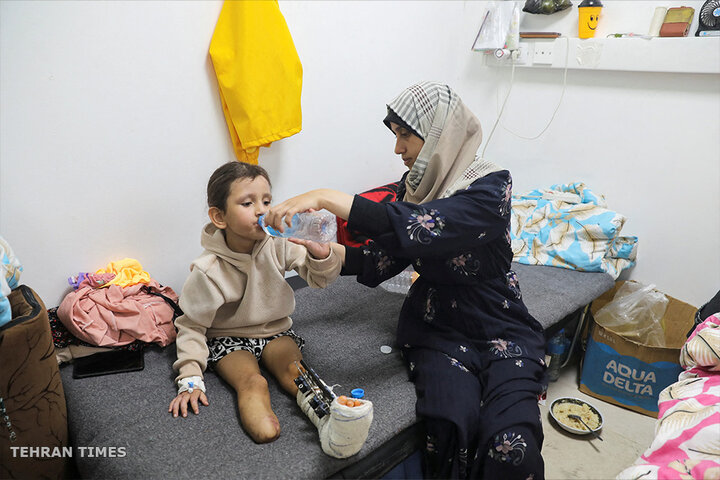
(687, 435)
(114, 316)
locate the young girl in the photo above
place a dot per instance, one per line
(236, 301)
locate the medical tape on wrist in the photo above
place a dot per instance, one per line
(189, 384)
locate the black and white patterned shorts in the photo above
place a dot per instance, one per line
(221, 346)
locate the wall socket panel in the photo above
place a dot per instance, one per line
(524, 54)
(543, 54)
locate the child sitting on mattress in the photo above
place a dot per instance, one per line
(236, 301)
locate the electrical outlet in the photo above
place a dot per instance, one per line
(504, 57)
(543, 53)
(523, 55)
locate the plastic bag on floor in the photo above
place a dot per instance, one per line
(636, 313)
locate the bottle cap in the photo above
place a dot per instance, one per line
(357, 393)
(268, 229)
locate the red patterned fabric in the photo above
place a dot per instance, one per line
(384, 194)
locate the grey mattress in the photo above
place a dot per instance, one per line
(344, 326)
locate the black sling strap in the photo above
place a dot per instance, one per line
(176, 308)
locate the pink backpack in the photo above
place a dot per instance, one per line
(114, 316)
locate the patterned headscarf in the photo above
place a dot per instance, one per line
(447, 161)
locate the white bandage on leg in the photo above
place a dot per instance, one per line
(344, 431)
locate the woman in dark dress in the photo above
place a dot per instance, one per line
(474, 353)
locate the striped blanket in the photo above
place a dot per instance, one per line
(569, 226)
(687, 435)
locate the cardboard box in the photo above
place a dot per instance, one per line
(630, 374)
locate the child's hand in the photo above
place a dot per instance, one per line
(180, 403)
(317, 250)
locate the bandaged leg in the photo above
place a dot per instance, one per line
(344, 431)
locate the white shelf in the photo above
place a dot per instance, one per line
(660, 54)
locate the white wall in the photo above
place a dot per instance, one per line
(111, 125)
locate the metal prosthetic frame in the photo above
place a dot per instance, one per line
(342, 429)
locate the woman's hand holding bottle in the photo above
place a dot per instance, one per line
(337, 202)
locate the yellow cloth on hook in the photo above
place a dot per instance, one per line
(128, 271)
(259, 75)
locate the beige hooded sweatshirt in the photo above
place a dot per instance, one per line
(240, 294)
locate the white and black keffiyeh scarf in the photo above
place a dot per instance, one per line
(447, 161)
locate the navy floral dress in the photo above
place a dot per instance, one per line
(474, 352)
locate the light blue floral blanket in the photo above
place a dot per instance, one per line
(569, 226)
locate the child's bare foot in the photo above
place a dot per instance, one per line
(258, 420)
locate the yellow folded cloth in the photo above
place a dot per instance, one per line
(128, 271)
(259, 75)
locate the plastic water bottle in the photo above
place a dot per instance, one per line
(320, 226)
(401, 282)
(558, 347)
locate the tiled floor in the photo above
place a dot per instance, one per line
(625, 434)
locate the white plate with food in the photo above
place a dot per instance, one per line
(563, 407)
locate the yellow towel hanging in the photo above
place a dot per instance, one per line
(259, 75)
